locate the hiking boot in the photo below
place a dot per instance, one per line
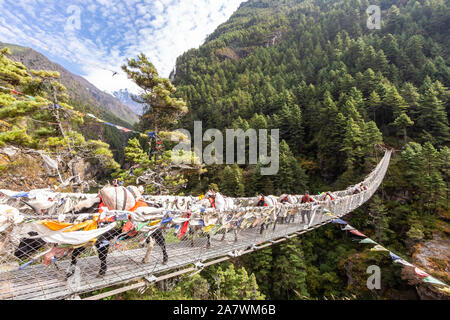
(101, 273)
(70, 272)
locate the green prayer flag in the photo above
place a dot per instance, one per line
(367, 240)
(430, 279)
(141, 225)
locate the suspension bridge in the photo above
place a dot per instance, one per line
(125, 260)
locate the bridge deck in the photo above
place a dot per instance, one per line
(38, 282)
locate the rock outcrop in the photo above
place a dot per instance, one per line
(25, 169)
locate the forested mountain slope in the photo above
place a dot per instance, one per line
(335, 89)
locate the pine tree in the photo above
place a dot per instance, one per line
(432, 117)
(231, 181)
(402, 122)
(232, 284)
(380, 220)
(289, 271)
(160, 109)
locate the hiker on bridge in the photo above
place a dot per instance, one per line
(307, 199)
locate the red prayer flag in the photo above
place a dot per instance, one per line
(421, 273)
(356, 232)
(184, 228)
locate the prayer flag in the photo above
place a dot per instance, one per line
(404, 262)
(356, 232)
(368, 240)
(421, 273)
(340, 221)
(430, 279)
(394, 256)
(378, 248)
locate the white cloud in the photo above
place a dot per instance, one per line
(112, 31)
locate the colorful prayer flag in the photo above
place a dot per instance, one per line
(165, 220)
(421, 273)
(356, 232)
(367, 240)
(430, 279)
(20, 195)
(404, 262)
(340, 221)
(378, 248)
(394, 256)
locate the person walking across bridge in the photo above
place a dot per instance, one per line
(307, 211)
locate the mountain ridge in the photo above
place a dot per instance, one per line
(124, 96)
(82, 93)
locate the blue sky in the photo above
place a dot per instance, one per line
(93, 38)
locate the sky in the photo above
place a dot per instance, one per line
(94, 38)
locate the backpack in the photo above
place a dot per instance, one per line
(117, 198)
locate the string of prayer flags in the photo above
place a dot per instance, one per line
(18, 93)
(11, 90)
(57, 106)
(396, 259)
(114, 125)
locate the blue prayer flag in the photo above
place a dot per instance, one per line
(394, 256)
(340, 221)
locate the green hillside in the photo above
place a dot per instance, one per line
(84, 97)
(335, 89)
